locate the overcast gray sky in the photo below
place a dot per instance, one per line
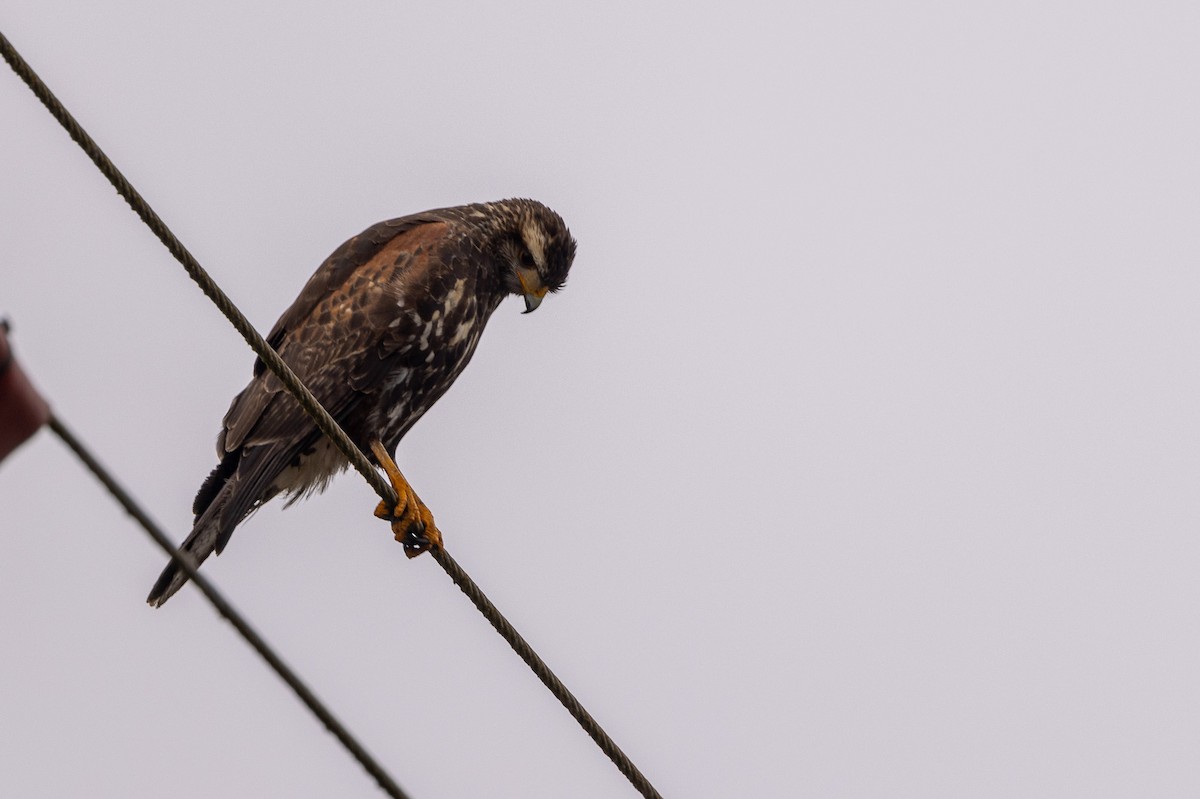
(858, 458)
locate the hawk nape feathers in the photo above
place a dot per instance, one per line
(378, 334)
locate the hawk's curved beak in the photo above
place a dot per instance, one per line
(531, 288)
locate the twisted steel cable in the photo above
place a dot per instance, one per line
(310, 700)
(324, 421)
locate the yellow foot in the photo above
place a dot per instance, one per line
(412, 522)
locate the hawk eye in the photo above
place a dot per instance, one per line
(527, 260)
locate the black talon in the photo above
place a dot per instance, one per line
(415, 542)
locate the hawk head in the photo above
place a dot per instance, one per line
(535, 250)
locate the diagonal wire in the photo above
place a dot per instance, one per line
(223, 607)
(142, 208)
(324, 421)
(543, 672)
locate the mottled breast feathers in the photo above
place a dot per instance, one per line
(378, 333)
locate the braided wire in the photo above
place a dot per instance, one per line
(543, 672)
(188, 565)
(210, 288)
(324, 421)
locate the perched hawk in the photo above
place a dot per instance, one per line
(378, 334)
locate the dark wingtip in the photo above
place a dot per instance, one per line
(215, 482)
(164, 587)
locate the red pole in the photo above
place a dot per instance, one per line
(22, 409)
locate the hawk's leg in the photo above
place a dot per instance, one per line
(412, 522)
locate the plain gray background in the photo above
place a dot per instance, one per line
(858, 458)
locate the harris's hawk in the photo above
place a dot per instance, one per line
(378, 334)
